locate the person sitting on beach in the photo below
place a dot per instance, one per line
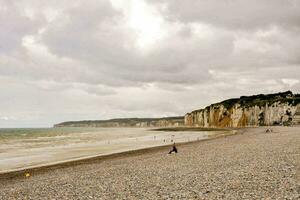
(174, 149)
(269, 130)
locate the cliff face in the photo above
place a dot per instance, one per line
(246, 111)
(127, 122)
(259, 110)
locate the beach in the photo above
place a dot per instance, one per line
(251, 164)
(27, 148)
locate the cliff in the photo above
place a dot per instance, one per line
(249, 111)
(127, 122)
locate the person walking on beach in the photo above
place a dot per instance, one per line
(174, 149)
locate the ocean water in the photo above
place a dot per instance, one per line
(28, 147)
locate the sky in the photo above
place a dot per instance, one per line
(66, 60)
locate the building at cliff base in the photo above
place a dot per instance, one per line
(249, 111)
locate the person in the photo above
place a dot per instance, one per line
(269, 130)
(174, 149)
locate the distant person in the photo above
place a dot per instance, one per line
(174, 149)
(269, 130)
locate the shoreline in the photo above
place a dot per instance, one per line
(251, 164)
(43, 168)
(183, 129)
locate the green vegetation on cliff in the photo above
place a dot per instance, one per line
(125, 122)
(259, 100)
(262, 100)
(255, 110)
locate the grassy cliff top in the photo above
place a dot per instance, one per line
(119, 120)
(259, 100)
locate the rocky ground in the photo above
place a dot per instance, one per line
(252, 165)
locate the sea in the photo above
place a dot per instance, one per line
(22, 148)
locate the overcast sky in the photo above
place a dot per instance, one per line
(99, 59)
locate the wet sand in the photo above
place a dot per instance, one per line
(26, 152)
(250, 165)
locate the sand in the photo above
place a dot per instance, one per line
(250, 165)
(21, 152)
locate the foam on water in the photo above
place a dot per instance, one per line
(30, 147)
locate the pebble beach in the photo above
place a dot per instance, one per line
(252, 164)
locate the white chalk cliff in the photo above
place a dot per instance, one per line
(259, 110)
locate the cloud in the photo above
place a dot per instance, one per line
(235, 14)
(110, 49)
(68, 60)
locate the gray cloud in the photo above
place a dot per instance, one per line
(236, 14)
(70, 60)
(14, 25)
